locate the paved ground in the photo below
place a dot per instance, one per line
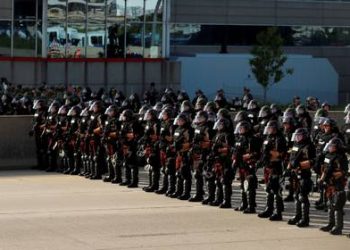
(43, 211)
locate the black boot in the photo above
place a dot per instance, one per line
(171, 185)
(165, 186)
(150, 182)
(269, 207)
(305, 219)
(110, 174)
(117, 173)
(179, 188)
(244, 202)
(252, 202)
(298, 216)
(187, 192)
(227, 197)
(199, 190)
(279, 208)
(331, 221)
(219, 195)
(211, 192)
(127, 180)
(339, 223)
(135, 177)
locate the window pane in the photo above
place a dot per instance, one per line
(6, 9)
(25, 9)
(115, 40)
(56, 39)
(76, 37)
(56, 9)
(76, 10)
(116, 11)
(40, 39)
(5, 38)
(153, 41)
(154, 10)
(134, 10)
(24, 38)
(96, 10)
(134, 40)
(96, 40)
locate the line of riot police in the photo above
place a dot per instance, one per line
(178, 142)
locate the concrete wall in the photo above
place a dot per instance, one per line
(127, 76)
(261, 12)
(17, 149)
(230, 72)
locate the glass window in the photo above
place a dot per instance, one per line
(96, 10)
(76, 40)
(6, 9)
(56, 9)
(134, 40)
(115, 40)
(25, 9)
(76, 11)
(134, 10)
(96, 36)
(116, 11)
(153, 41)
(39, 39)
(154, 10)
(24, 38)
(5, 38)
(56, 39)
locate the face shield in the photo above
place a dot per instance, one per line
(53, 109)
(347, 118)
(184, 108)
(179, 121)
(269, 130)
(72, 112)
(84, 112)
(37, 105)
(199, 119)
(297, 137)
(62, 111)
(163, 115)
(110, 112)
(148, 116)
(252, 105)
(219, 125)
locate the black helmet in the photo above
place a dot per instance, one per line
(347, 118)
(112, 110)
(329, 122)
(201, 117)
(221, 124)
(210, 107)
(39, 104)
(53, 109)
(253, 104)
(241, 116)
(275, 109)
(126, 115)
(271, 128)
(143, 110)
(242, 128)
(96, 106)
(86, 94)
(158, 107)
(185, 106)
(289, 112)
(320, 113)
(299, 135)
(265, 112)
(300, 110)
(182, 96)
(181, 117)
(74, 111)
(85, 112)
(223, 113)
(63, 111)
(150, 115)
(200, 103)
(126, 104)
(325, 104)
(288, 120)
(335, 143)
(166, 114)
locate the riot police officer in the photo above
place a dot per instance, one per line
(73, 139)
(334, 177)
(274, 149)
(244, 157)
(300, 165)
(182, 139)
(200, 149)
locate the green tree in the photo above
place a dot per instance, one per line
(268, 59)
